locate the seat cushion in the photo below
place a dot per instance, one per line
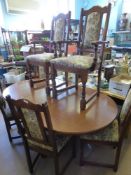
(61, 141)
(78, 62)
(40, 58)
(110, 133)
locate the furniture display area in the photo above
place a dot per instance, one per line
(13, 40)
(82, 64)
(39, 38)
(122, 43)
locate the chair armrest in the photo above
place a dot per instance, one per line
(66, 42)
(100, 42)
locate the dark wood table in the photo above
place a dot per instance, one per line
(65, 112)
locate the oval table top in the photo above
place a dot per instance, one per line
(65, 112)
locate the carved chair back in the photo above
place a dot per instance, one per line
(60, 27)
(60, 32)
(93, 26)
(35, 121)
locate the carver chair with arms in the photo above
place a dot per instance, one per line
(112, 135)
(37, 132)
(8, 119)
(90, 47)
(58, 46)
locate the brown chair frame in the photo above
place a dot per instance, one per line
(57, 47)
(48, 135)
(83, 73)
(122, 127)
(9, 121)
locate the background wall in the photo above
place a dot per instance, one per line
(33, 20)
(22, 22)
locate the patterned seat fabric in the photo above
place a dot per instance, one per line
(60, 142)
(44, 57)
(77, 61)
(110, 133)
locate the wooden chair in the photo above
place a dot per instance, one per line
(37, 132)
(8, 118)
(58, 45)
(112, 135)
(92, 36)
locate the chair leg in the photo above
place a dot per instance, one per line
(8, 127)
(46, 69)
(83, 101)
(98, 83)
(117, 157)
(76, 81)
(56, 163)
(66, 78)
(81, 153)
(28, 158)
(74, 147)
(83, 96)
(53, 75)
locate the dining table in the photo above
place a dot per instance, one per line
(66, 116)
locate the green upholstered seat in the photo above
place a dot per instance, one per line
(83, 62)
(44, 57)
(110, 133)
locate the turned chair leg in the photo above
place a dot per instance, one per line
(66, 78)
(8, 127)
(56, 163)
(117, 157)
(28, 158)
(47, 79)
(53, 76)
(81, 153)
(83, 95)
(76, 81)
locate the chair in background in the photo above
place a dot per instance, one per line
(37, 132)
(8, 118)
(112, 135)
(58, 45)
(92, 35)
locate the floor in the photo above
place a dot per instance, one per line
(13, 161)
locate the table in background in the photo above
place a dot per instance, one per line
(65, 112)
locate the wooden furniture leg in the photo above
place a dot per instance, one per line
(83, 95)
(47, 79)
(53, 76)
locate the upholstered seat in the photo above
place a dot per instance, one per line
(90, 50)
(40, 58)
(80, 62)
(111, 135)
(61, 141)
